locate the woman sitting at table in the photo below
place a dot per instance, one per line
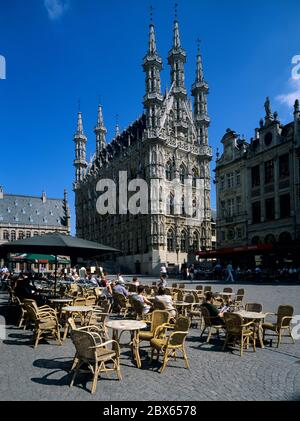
(163, 301)
(215, 314)
(140, 296)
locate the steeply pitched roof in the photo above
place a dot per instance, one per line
(31, 210)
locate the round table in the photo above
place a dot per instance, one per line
(181, 305)
(82, 310)
(133, 326)
(257, 318)
(60, 302)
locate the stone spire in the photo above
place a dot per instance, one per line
(177, 59)
(80, 140)
(152, 65)
(200, 91)
(100, 132)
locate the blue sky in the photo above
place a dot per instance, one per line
(58, 51)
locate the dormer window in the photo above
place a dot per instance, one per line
(23, 211)
(16, 203)
(51, 213)
(37, 212)
(8, 210)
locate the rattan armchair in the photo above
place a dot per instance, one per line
(96, 355)
(44, 321)
(158, 318)
(284, 317)
(209, 324)
(170, 344)
(121, 304)
(237, 330)
(255, 307)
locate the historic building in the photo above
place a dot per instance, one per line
(28, 216)
(168, 142)
(258, 184)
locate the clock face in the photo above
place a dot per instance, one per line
(268, 139)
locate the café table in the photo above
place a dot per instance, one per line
(182, 305)
(257, 318)
(59, 302)
(133, 326)
(81, 310)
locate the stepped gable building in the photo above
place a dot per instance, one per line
(27, 216)
(168, 141)
(258, 185)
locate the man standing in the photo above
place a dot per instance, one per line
(229, 269)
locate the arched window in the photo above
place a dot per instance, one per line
(170, 240)
(194, 177)
(270, 239)
(28, 234)
(183, 241)
(195, 241)
(202, 171)
(170, 204)
(153, 158)
(182, 173)
(194, 208)
(285, 238)
(182, 206)
(35, 234)
(169, 171)
(6, 235)
(21, 235)
(13, 235)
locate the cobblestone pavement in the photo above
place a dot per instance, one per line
(268, 374)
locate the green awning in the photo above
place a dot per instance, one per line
(40, 258)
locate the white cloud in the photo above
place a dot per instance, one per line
(290, 97)
(56, 8)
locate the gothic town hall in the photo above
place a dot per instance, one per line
(168, 142)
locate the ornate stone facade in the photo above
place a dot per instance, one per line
(169, 141)
(258, 184)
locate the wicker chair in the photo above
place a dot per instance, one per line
(90, 300)
(99, 319)
(199, 288)
(181, 286)
(207, 288)
(148, 290)
(236, 329)
(174, 285)
(96, 355)
(121, 304)
(179, 295)
(44, 321)
(79, 301)
(137, 307)
(209, 324)
(255, 307)
(158, 318)
(284, 317)
(238, 301)
(169, 345)
(195, 312)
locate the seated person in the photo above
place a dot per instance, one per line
(135, 281)
(120, 289)
(24, 290)
(164, 301)
(162, 282)
(215, 314)
(140, 296)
